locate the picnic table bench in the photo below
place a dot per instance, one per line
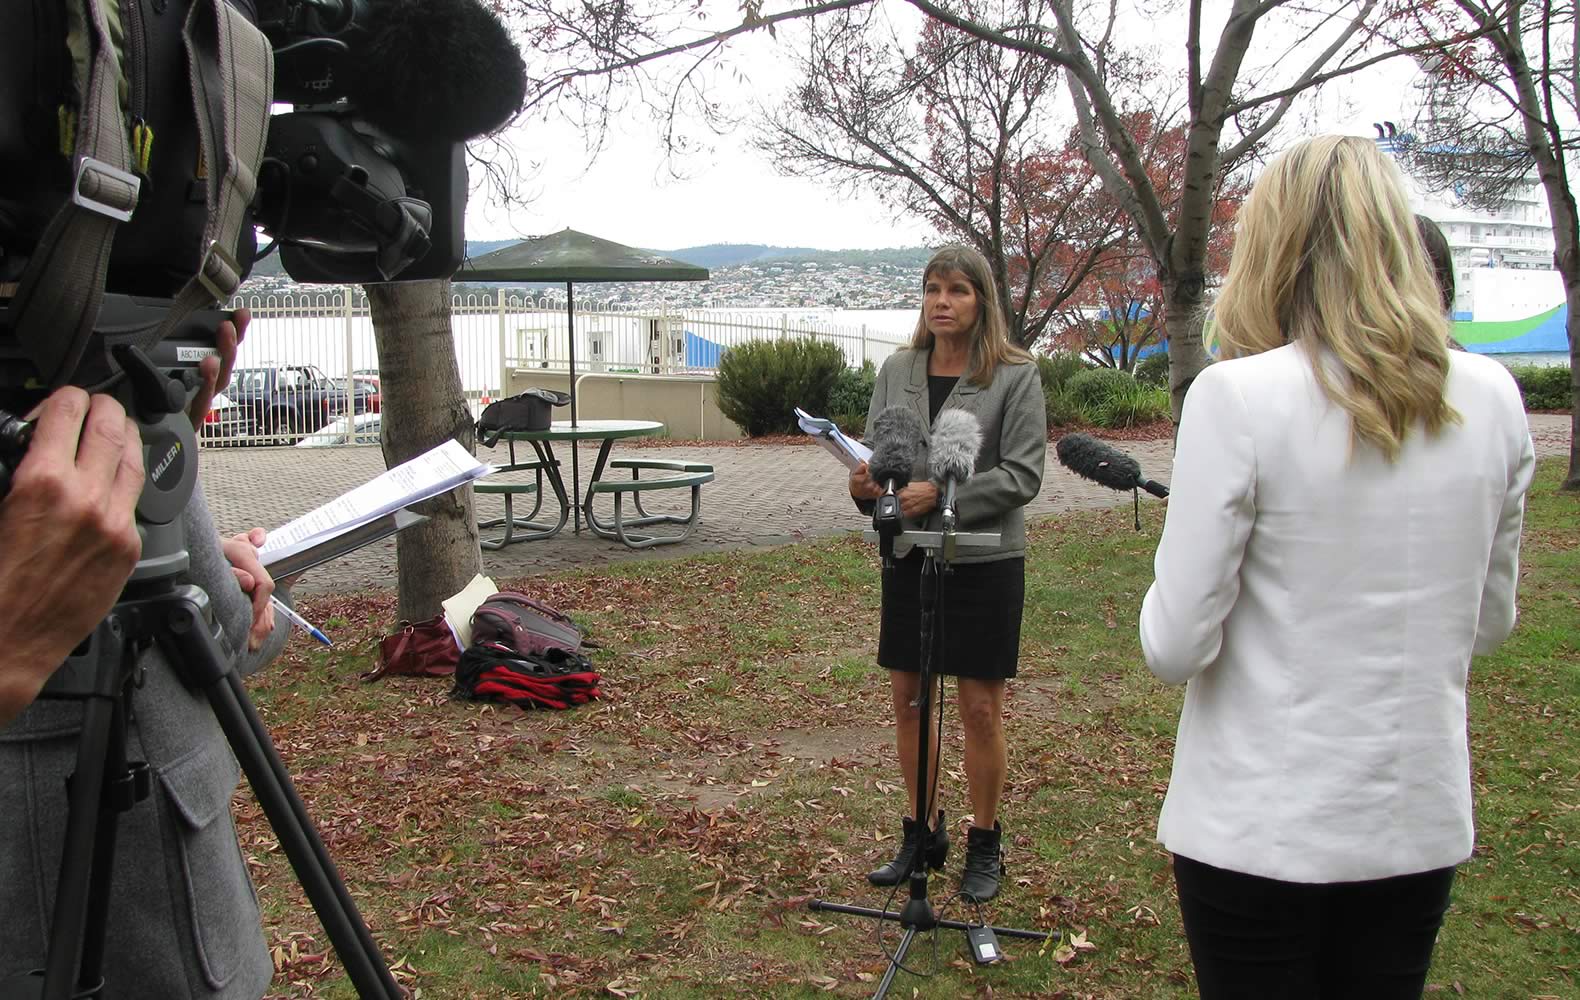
(680, 475)
(521, 529)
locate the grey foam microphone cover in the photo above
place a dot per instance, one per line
(896, 441)
(952, 453)
(1092, 459)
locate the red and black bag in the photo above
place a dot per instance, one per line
(525, 626)
(557, 678)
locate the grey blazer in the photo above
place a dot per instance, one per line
(184, 921)
(1008, 472)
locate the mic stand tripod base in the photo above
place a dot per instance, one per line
(918, 915)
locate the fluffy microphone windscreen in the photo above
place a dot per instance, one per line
(430, 70)
(952, 454)
(1092, 459)
(896, 440)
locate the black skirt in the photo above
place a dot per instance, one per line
(977, 631)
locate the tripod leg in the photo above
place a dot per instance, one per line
(82, 893)
(74, 888)
(309, 858)
(200, 657)
(895, 963)
(299, 808)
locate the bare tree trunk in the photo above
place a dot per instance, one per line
(1572, 296)
(1185, 325)
(423, 406)
(1552, 169)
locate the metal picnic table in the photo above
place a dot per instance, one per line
(547, 466)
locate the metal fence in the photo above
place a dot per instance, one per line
(331, 331)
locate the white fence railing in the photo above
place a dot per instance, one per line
(332, 331)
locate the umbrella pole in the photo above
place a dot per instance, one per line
(576, 479)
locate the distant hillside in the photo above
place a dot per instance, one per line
(736, 254)
(713, 256)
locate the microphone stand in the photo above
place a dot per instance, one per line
(918, 915)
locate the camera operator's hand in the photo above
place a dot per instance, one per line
(242, 553)
(216, 368)
(68, 540)
(918, 499)
(862, 485)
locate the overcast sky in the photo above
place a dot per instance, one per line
(732, 194)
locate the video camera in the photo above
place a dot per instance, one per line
(364, 180)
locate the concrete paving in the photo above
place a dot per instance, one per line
(763, 495)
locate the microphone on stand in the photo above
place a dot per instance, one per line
(896, 440)
(952, 455)
(1107, 466)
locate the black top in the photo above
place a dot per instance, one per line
(938, 389)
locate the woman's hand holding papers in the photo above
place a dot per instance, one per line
(241, 551)
(862, 485)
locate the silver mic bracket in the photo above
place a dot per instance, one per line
(941, 543)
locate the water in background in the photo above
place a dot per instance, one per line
(1543, 359)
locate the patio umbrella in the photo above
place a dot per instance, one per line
(573, 257)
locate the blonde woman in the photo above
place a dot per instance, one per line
(1343, 534)
(961, 357)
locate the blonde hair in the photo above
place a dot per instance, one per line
(1327, 256)
(990, 343)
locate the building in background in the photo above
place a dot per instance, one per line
(1509, 298)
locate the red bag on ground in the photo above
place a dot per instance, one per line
(422, 649)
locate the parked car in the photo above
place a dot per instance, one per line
(366, 431)
(366, 399)
(285, 400)
(224, 420)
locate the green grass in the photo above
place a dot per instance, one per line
(664, 842)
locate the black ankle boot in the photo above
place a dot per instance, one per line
(900, 868)
(984, 864)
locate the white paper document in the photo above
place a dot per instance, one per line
(848, 450)
(429, 474)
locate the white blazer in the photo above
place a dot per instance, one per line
(1323, 608)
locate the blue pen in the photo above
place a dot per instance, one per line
(292, 616)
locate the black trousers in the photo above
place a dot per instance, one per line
(1262, 939)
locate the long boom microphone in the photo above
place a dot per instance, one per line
(422, 70)
(896, 442)
(1105, 465)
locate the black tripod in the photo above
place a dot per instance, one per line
(918, 915)
(104, 673)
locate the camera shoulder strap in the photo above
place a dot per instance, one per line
(57, 300)
(231, 68)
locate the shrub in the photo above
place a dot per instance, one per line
(762, 381)
(1131, 406)
(1062, 410)
(1092, 388)
(1056, 369)
(851, 392)
(1543, 388)
(1152, 371)
(851, 398)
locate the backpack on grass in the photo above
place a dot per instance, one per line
(527, 654)
(525, 626)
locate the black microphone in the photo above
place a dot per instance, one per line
(1105, 465)
(896, 441)
(952, 456)
(422, 70)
